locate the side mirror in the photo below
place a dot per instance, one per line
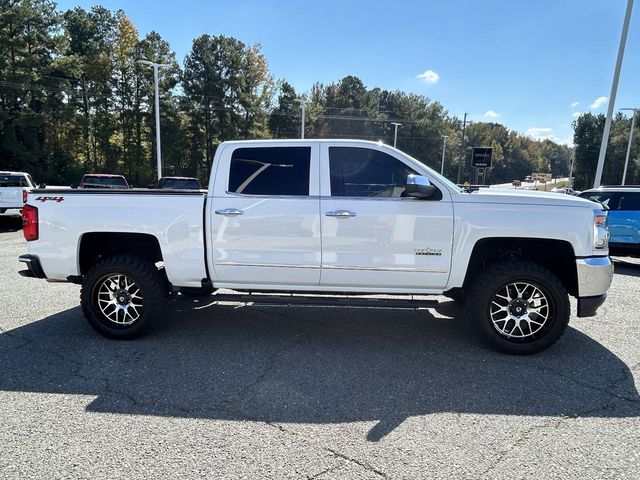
(418, 186)
(42, 185)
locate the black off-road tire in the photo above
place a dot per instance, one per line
(491, 281)
(153, 290)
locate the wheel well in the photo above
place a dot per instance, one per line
(555, 255)
(97, 246)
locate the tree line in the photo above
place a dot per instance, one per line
(74, 99)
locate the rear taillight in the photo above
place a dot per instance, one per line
(30, 222)
(24, 196)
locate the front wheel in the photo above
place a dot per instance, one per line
(519, 307)
(120, 296)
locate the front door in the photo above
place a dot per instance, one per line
(372, 235)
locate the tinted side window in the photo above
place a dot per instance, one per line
(270, 171)
(363, 172)
(629, 201)
(608, 199)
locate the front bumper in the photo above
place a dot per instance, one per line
(594, 278)
(34, 269)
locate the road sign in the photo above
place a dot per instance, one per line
(481, 157)
(541, 177)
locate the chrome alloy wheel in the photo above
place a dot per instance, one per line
(520, 310)
(119, 299)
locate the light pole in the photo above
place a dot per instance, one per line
(633, 124)
(464, 153)
(156, 66)
(395, 133)
(303, 104)
(444, 147)
(573, 159)
(612, 97)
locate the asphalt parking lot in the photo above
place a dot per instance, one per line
(231, 391)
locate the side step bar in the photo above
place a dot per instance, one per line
(320, 301)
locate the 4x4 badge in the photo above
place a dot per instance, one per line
(53, 199)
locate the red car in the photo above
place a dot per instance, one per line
(103, 180)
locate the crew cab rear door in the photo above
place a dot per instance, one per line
(372, 235)
(264, 215)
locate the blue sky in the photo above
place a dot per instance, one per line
(531, 65)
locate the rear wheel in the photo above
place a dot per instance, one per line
(519, 307)
(121, 296)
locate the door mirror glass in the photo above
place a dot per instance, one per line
(420, 187)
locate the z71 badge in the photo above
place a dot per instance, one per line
(428, 251)
(53, 199)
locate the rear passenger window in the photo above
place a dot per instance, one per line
(629, 201)
(364, 172)
(270, 171)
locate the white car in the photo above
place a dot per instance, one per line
(12, 188)
(292, 217)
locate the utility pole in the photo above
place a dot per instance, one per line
(612, 97)
(303, 104)
(463, 156)
(633, 124)
(573, 158)
(395, 134)
(444, 147)
(156, 66)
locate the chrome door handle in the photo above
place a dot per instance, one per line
(229, 212)
(340, 213)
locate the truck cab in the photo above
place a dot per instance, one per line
(13, 186)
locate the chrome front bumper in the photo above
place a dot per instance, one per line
(594, 276)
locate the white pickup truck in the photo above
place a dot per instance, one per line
(12, 188)
(291, 219)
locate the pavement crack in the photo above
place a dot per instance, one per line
(528, 434)
(605, 390)
(364, 465)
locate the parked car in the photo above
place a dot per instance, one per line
(13, 186)
(565, 190)
(623, 203)
(332, 217)
(103, 180)
(182, 183)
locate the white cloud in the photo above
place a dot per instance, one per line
(546, 133)
(576, 114)
(491, 114)
(575, 104)
(598, 102)
(539, 133)
(429, 76)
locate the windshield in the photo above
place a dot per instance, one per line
(13, 181)
(179, 183)
(104, 182)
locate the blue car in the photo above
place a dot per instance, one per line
(623, 203)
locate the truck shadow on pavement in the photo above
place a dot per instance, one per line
(312, 366)
(628, 268)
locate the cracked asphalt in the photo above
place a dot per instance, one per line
(233, 391)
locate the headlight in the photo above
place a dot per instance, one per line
(600, 230)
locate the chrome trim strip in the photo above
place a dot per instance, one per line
(333, 267)
(385, 269)
(275, 265)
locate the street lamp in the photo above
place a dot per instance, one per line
(444, 147)
(395, 134)
(633, 124)
(156, 66)
(612, 96)
(303, 104)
